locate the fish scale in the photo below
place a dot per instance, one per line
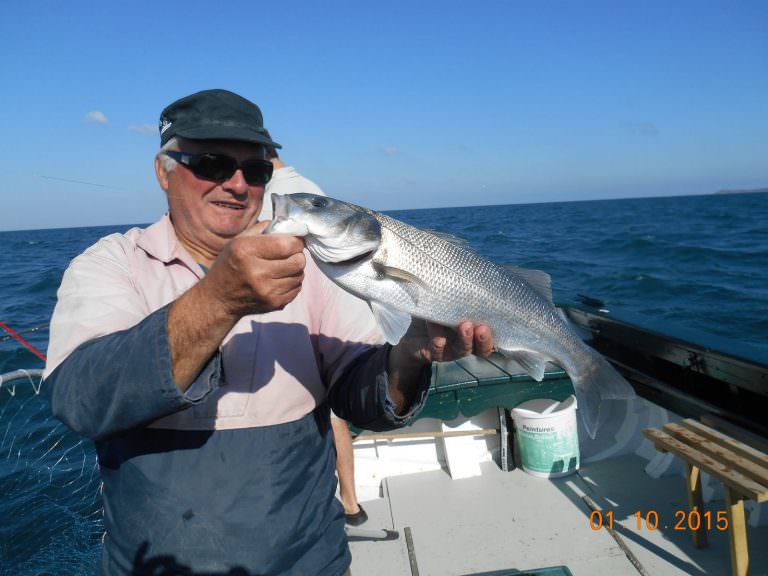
(463, 275)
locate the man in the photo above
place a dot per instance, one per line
(287, 180)
(203, 357)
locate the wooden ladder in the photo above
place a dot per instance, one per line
(742, 469)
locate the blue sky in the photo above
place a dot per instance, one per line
(388, 104)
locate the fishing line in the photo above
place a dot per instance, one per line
(97, 185)
(80, 182)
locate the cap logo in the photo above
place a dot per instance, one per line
(164, 125)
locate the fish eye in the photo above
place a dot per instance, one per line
(319, 202)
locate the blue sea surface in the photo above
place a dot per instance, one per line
(697, 262)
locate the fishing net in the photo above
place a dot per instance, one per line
(49, 487)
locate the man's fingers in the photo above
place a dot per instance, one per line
(462, 341)
(278, 247)
(246, 250)
(446, 344)
(292, 266)
(437, 341)
(482, 341)
(436, 331)
(273, 247)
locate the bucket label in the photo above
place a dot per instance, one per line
(548, 449)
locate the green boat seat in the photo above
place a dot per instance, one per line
(472, 385)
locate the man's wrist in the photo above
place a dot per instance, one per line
(406, 366)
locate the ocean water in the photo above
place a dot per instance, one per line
(698, 262)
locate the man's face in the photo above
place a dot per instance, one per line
(206, 214)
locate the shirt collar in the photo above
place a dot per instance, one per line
(160, 242)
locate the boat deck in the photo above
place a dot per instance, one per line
(503, 521)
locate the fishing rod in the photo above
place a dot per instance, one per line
(31, 348)
(28, 331)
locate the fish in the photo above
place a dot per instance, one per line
(405, 272)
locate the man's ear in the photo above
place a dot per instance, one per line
(161, 173)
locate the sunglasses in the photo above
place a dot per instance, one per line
(220, 167)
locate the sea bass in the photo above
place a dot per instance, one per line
(406, 272)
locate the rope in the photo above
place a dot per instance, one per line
(32, 349)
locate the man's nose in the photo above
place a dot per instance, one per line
(236, 183)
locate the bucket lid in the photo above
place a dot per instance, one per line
(543, 407)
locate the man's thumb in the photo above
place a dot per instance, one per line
(255, 229)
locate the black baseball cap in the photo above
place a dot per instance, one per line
(214, 115)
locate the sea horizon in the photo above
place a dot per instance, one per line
(722, 192)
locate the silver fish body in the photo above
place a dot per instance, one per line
(405, 272)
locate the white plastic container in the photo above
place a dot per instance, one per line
(547, 438)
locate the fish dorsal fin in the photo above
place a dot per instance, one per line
(452, 238)
(539, 280)
(532, 362)
(392, 323)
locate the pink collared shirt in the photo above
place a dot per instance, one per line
(278, 366)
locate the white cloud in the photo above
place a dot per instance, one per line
(391, 150)
(150, 129)
(96, 117)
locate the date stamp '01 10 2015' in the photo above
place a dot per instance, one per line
(684, 520)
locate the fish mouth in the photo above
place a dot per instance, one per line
(282, 223)
(279, 206)
(353, 260)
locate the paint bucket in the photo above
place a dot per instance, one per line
(547, 440)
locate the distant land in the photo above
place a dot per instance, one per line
(742, 191)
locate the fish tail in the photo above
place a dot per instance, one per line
(595, 380)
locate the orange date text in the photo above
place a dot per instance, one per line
(683, 520)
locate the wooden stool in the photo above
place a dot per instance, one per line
(742, 469)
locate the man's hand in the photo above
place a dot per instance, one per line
(255, 274)
(434, 343)
(425, 343)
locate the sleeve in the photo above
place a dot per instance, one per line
(361, 395)
(354, 364)
(109, 366)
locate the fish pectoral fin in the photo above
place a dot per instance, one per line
(399, 274)
(532, 362)
(393, 323)
(410, 284)
(539, 280)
